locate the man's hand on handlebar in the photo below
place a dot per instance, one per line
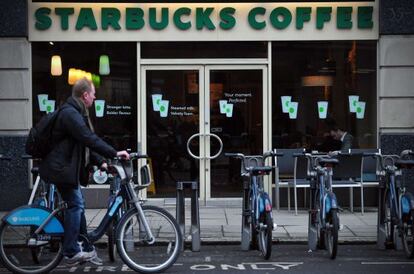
(123, 154)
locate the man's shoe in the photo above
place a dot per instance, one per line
(78, 258)
(96, 260)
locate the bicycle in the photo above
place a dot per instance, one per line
(396, 207)
(323, 214)
(257, 205)
(148, 238)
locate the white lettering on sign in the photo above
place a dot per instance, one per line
(182, 111)
(246, 267)
(238, 97)
(202, 267)
(118, 110)
(238, 267)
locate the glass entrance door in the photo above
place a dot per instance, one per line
(236, 108)
(172, 102)
(212, 101)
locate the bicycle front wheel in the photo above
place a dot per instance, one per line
(387, 220)
(331, 233)
(408, 234)
(139, 252)
(265, 234)
(19, 257)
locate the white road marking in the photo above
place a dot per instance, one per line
(385, 263)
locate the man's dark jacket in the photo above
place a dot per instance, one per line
(65, 164)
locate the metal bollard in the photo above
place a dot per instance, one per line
(195, 214)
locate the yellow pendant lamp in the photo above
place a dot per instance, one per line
(56, 65)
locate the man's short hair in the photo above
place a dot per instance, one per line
(81, 86)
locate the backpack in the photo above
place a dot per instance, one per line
(38, 143)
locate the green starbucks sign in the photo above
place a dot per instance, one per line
(202, 17)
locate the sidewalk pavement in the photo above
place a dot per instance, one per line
(223, 224)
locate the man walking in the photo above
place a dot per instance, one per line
(75, 146)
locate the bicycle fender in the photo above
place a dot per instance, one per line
(407, 203)
(267, 203)
(33, 215)
(330, 202)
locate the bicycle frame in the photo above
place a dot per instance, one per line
(327, 199)
(46, 219)
(260, 199)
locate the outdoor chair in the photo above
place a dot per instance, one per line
(291, 172)
(368, 171)
(346, 175)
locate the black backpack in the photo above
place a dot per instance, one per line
(38, 143)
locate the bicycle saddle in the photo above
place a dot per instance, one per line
(328, 162)
(404, 163)
(260, 170)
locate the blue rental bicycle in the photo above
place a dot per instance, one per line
(257, 206)
(396, 206)
(148, 238)
(323, 214)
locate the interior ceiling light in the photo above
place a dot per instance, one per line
(104, 65)
(56, 65)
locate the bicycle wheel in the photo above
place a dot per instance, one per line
(408, 234)
(386, 217)
(137, 251)
(331, 233)
(18, 257)
(265, 234)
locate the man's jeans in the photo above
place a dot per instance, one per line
(75, 221)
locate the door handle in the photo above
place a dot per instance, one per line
(188, 146)
(221, 146)
(208, 157)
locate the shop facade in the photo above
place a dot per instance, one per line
(229, 77)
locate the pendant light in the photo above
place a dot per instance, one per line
(104, 65)
(56, 65)
(72, 76)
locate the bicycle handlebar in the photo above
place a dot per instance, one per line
(2, 157)
(242, 157)
(28, 157)
(132, 156)
(265, 155)
(311, 155)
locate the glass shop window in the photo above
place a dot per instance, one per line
(112, 68)
(319, 86)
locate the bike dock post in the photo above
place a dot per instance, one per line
(195, 214)
(245, 241)
(381, 234)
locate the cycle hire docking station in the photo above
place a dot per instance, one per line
(195, 214)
